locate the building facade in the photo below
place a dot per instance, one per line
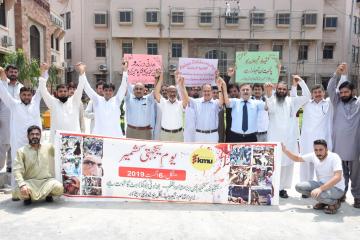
(7, 27)
(322, 33)
(40, 32)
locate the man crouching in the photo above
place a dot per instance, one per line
(330, 185)
(34, 170)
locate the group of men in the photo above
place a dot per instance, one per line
(224, 113)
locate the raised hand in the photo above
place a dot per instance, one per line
(125, 66)
(268, 87)
(341, 69)
(44, 67)
(3, 74)
(296, 79)
(80, 68)
(231, 72)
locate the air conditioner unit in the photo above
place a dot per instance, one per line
(172, 67)
(53, 58)
(102, 67)
(70, 68)
(6, 41)
(64, 64)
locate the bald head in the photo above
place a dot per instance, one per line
(139, 90)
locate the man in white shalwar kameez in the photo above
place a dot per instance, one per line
(107, 107)
(315, 125)
(23, 113)
(64, 110)
(283, 125)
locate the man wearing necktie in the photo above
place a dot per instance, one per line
(244, 112)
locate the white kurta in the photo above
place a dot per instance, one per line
(107, 112)
(64, 116)
(21, 117)
(283, 127)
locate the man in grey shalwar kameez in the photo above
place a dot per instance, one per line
(346, 130)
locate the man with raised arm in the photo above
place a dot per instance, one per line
(107, 107)
(283, 125)
(64, 110)
(171, 109)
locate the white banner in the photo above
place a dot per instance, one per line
(93, 167)
(198, 71)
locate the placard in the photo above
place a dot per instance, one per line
(142, 67)
(198, 71)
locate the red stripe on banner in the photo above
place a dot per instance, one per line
(152, 173)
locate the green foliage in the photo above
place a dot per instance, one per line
(29, 70)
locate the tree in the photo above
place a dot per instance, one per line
(29, 70)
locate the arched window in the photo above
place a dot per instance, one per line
(221, 56)
(34, 43)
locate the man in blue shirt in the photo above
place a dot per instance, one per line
(244, 115)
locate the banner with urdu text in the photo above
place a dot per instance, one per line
(95, 167)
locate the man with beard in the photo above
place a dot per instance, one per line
(315, 125)
(13, 87)
(346, 130)
(34, 170)
(283, 125)
(158, 113)
(329, 187)
(107, 107)
(23, 113)
(171, 109)
(64, 110)
(89, 111)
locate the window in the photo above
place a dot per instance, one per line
(2, 14)
(125, 16)
(68, 50)
(100, 19)
(233, 19)
(34, 43)
(152, 16)
(176, 50)
(257, 18)
(282, 19)
(57, 44)
(68, 20)
(309, 19)
(328, 51)
(330, 22)
(205, 18)
(253, 47)
(152, 48)
(127, 47)
(221, 56)
(303, 52)
(100, 49)
(278, 48)
(100, 77)
(52, 41)
(177, 17)
(355, 54)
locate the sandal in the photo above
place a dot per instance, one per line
(320, 206)
(332, 209)
(357, 203)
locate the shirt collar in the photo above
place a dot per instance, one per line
(203, 100)
(313, 100)
(138, 98)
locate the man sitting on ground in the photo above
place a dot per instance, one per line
(34, 170)
(330, 185)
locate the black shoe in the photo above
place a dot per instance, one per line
(27, 202)
(343, 198)
(8, 170)
(304, 196)
(357, 203)
(49, 199)
(15, 199)
(283, 194)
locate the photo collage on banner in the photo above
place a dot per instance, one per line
(81, 165)
(250, 174)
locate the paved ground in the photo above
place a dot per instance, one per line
(293, 219)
